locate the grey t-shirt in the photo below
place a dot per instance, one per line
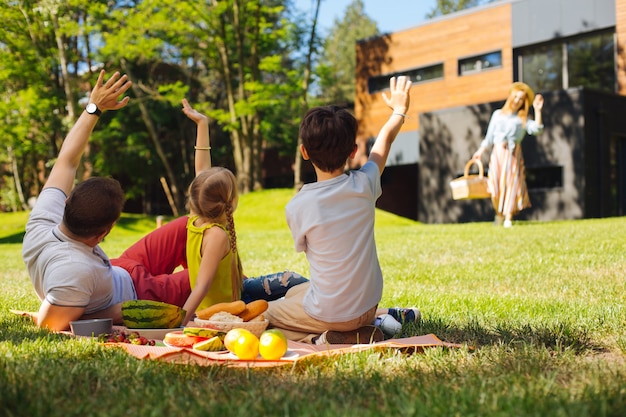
(66, 272)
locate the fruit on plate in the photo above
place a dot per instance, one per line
(230, 338)
(120, 336)
(213, 344)
(272, 344)
(180, 339)
(147, 314)
(242, 343)
(203, 331)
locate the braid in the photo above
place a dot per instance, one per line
(230, 224)
(236, 272)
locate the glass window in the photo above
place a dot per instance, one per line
(584, 61)
(480, 63)
(542, 67)
(417, 75)
(590, 62)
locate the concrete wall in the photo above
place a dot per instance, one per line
(537, 21)
(448, 139)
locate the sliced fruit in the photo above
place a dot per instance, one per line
(180, 339)
(203, 331)
(213, 344)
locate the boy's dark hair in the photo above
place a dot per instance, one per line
(93, 206)
(329, 136)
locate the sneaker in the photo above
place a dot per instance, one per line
(405, 315)
(362, 335)
(508, 223)
(389, 325)
(498, 220)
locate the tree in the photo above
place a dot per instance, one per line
(237, 48)
(306, 82)
(444, 7)
(337, 67)
(235, 60)
(39, 43)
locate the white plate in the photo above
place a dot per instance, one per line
(154, 334)
(289, 355)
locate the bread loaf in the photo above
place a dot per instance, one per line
(235, 307)
(253, 309)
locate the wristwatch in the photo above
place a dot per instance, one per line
(93, 109)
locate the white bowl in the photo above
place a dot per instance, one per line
(154, 334)
(93, 327)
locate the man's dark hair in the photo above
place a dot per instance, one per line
(93, 206)
(329, 136)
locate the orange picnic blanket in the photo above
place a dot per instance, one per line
(297, 351)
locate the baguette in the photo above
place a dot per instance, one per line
(253, 309)
(234, 307)
(260, 317)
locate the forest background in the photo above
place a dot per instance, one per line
(254, 66)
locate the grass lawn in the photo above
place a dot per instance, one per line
(540, 309)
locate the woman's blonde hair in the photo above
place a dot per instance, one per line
(212, 195)
(522, 113)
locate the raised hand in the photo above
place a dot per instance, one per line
(193, 114)
(105, 94)
(399, 89)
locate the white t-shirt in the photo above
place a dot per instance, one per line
(66, 272)
(332, 222)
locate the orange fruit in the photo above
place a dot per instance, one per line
(272, 344)
(245, 346)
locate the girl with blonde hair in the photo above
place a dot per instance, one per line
(215, 271)
(507, 128)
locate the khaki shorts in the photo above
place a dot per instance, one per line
(288, 315)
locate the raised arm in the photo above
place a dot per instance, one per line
(538, 106)
(399, 101)
(203, 144)
(105, 97)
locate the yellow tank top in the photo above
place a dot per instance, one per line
(222, 286)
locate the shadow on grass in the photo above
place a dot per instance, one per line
(14, 238)
(558, 337)
(18, 329)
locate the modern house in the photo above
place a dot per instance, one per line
(462, 65)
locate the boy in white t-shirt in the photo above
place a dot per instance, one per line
(332, 222)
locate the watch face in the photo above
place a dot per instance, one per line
(92, 108)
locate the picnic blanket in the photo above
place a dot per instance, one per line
(296, 351)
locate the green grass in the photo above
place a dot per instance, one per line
(540, 309)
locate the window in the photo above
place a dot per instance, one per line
(417, 75)
(590, 62)
(480, 63)
(584, 61)
(543, 68)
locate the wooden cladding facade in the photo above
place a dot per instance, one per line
(441, 41)
(445, 41)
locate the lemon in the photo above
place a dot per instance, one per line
(231, 336)
(245, 346)
(272, 344)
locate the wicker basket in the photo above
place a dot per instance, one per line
(469, 187)
(256, 327)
